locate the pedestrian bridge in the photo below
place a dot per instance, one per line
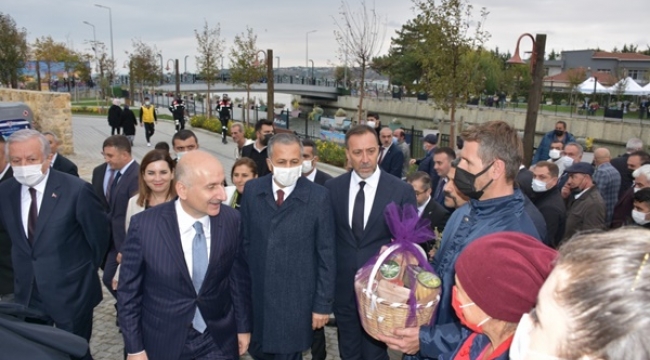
(311, 91)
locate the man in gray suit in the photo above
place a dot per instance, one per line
(289, 243)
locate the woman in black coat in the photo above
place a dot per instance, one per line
(115, 117)
(129, 123)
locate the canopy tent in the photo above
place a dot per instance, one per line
(587, 87)
(626, 86)
(646, 89)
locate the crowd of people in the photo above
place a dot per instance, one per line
(532, 261)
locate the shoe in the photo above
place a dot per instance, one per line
(224, 141)
(149, 144)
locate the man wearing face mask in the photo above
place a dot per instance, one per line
(59, 234)
(620, 163)
(148, 118)
(309, 161)
(572, 155)
(485, 174)
(391, 158)
(625, 204)
(257, 151)
(559, 134)
(6, 269)
(585, 207)
(641, 211)
(548, 201)
(184, 141)
(289, 243)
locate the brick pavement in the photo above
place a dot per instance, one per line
(89, 133)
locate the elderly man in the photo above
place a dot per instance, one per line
(607, 179)
(620, 163)
(585, 207)
(400, 135)
(572, 155)
(60, 162)
(391, 158)
(559, 134)
(625, 204)
(238, 136)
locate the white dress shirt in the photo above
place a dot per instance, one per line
(312, 177)
(53, 159)
(424, 206)
(369, 191)
(26, 200)
(186, 228)
(287, 190)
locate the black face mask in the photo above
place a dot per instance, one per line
(465, 180)
(266, 138)
(559, 132)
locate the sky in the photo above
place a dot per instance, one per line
(282, 25)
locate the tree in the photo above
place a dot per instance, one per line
(245, 67)
(553, 55)
(49, 51)
(575, 77)
(210, 48)
(13, 50)
(143, 66)
(360, 35)
(445, 27)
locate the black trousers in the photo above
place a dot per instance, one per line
(199, 346)
(318, 351)
(255, 350)
(149, 129)
(115, 130)
(110, 268)
(354, 342)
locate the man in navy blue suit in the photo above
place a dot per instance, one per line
(59, 234)
(184, 286)
(391, 158)
(359, 198)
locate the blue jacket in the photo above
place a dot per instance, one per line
(545, 145)
(478, 344)
(467, 223)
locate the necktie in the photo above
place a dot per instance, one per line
(357, 212)
(33, 215)
(381, 154)
(109, 185)
(199, 268)
(280, 199)
(114, 183)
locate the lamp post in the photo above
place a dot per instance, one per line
(131, 85)
(535, 95)
(95, 52)
(268, 58)
(307, 49)
(312, 82)
(110, 20)
(185, 69)
(161, 68)
(177, 75)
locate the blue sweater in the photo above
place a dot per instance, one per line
(545, 145)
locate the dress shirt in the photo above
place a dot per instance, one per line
(186, 228)
(577, 196)
(311, 177)
(107, 177)
(369, 191)
(256, 149)
(2, 174)
(26, 200)
(124, 169)
(107, 174)
(424, 206)
(53, 159)
(287, 190)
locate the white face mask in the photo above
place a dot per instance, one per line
(147, 103)
(567, 161)
(307, 166)
(371, 124)
(286, 176)
(554, 154)
(180, 154)
(539, 185)
(521, 341)
(28, 175)
(639, 217)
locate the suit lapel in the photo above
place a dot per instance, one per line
(173, 239)
(16, 200)
(267, 193)
(51, 196)
(217, 237)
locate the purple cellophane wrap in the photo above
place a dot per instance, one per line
(408, 230)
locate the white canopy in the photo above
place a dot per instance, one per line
(587, 87)
(646, 89)
(628, 87)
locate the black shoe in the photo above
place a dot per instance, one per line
(224, 141)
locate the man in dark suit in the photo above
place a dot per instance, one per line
(6, 269)
(442, 158)
(59, 235)
(289, 243)
(524, 181)
(184, 286)
(309, 161)
(257, 150)
(359, 198)
(60, 162)
(391, 158)
(119, 183)
(428, 208)
(620, 163)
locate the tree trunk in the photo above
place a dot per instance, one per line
(248, 99)
(361, 91)
(209, 103)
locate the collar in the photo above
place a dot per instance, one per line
(497, 206)
(126, 167)
(424, 206)
(312, 176)
(577, 196)
(53, 159)
(256, 148)
(287, 190)
(521, 167)
(4, 171)
(372, 180)
(186, 221)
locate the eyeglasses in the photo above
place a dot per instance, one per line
(418, 193)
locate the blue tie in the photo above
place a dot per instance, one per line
(199, 268)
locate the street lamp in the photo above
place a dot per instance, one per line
(307, 48)
(110, 19)
(268, 58)
(312, 72)
(185, 70)
(535, 95)
(277, 57)
(161, 68)
(94, 42)
(178, 78)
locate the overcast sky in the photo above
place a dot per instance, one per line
(281, 24)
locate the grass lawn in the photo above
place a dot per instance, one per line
(565, 110)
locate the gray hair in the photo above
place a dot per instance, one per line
(240, 126)
(634, 144)
(284, 139)
(605, 313)
(643, 170)
(53, 135)
(580, 149)
(27, 134)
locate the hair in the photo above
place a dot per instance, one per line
(643, 170)
(162, 145)
(258, 125)
(284, 139)
(184, 135)
(372, 114)
(645, 157)
(119, 142)
(608, 317)
(53, 135)
(451, 154)
(455, 162)
(643, 196)
(553, 169)
(360, 130)
(240, 126)
(497, 141)
(244, 161)
(420, 176)
(306, 142)
(146, 98)
(27, 134)
(634, 144)
(561, 122)
(152, 156)
(558, 142)
(578, 146)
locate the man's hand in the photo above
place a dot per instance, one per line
(319, 320)
(114, 284)
(566, 191)
(140, 356)
(412, 161)
(243, 340)
(405, 340)
(119, 258)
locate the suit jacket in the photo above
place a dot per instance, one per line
(438, 216)
(321, 177)
(290, 250)
(392, 161)
(156, 297)
(350, 255)
(620, 163)
(63, 164)
(98, 184)
(125, 188)
(6, 268)
(524, 180)
(70, 240)
(585, 213)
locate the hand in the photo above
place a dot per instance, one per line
(243, 340)
(140, 356)
(114, 285)
(405, 340)
(566, 191)
(119, 258)
(319, 320)
(412, 161)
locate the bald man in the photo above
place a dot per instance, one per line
(391, 158)
(607, 179)
(184, 287)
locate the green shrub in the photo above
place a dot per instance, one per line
(331, 153)
(214, 125)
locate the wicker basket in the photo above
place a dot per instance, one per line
(379, 316)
